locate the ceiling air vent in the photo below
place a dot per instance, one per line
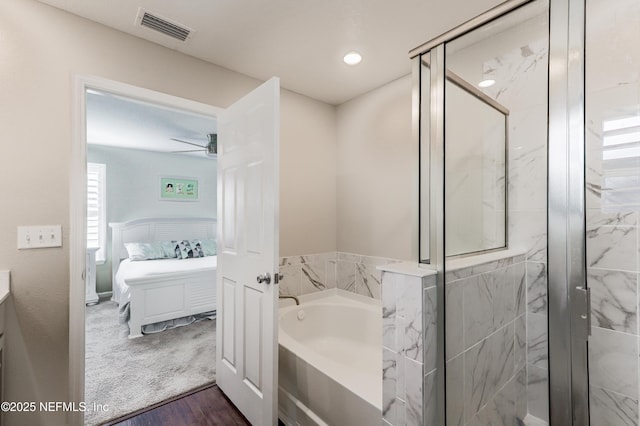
(163, 25)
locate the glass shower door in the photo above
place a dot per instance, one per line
(495, 211)
(612, 75)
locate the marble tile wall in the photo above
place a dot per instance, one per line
(524, 93)
(486, 341)
(613, 205)
(613, 273)
(409, 349)
(517, 60)
(310, 273)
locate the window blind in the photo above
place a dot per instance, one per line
(96, 216)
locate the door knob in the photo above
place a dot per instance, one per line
(264, 278)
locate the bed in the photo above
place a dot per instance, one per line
(154, 291)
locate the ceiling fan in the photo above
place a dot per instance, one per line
(211, 148)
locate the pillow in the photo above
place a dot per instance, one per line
(196, 246)
(186, 249)
(209, 247)
(169, 249)
(145, 251)
(182, 249)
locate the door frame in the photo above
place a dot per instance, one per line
(568, 298)
(77, 219)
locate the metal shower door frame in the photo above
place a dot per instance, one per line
(568, 301)
(569, 304)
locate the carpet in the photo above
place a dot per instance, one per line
(128, 375)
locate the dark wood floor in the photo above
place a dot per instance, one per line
(208, 407)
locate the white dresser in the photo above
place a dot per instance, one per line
(91, 296)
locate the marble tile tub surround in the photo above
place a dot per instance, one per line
(409, 313)
(310, 273)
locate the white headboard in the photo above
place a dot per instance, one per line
(156, 229)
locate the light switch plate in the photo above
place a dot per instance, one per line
(42, 236)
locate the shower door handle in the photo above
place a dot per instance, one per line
(581, 302)
(264, 278)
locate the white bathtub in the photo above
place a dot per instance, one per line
(330, 360)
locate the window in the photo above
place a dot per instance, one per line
(96, 209)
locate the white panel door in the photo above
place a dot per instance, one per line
(247, 327)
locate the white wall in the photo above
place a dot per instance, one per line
(41, 49)
(378, 174)
(307, 176)
(132, 189)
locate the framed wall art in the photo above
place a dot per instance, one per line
(178, 188)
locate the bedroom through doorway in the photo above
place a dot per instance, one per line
(151, 249)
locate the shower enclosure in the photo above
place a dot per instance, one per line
(528, 121)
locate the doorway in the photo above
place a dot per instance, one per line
(113, 90)
(248, 174)
(132, 146)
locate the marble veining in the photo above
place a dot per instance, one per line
(538, 392)
(520, 279)
(389, 375)
(455, 391)
(478, 313)
(520, 342)
(599, 217)
(537, 340)
(479, 384)
(503, 357)
(614, 299)
(313, 277)
(368, 280)
(486, 339)
(612, 247)
(613, 203)
(389, 317)
(430, 398)
(501, 410)
(290, 283)
(521, 393)
(413, 319)
(413, 386)
(304, 274)
(513, 71)
(610, 408)
(409, 318)
(613, 361)
(454, 319)
(346, 275)
(504, 308)
(430, 344)
(527, 162)
(536, 288)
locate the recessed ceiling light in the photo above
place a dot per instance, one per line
(352, 58)
(486, 83)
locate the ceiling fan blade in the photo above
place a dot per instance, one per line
(190, 143)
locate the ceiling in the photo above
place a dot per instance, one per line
(121, 122)
(300, 41)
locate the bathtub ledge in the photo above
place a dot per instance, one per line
(409, 268)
